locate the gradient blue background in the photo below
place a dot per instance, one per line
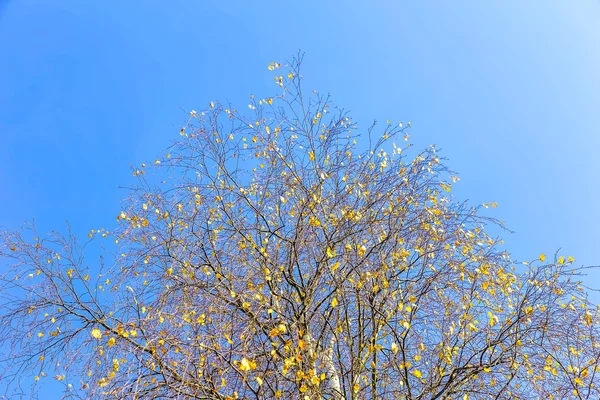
(510, 90)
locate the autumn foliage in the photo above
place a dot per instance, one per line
(279, 252)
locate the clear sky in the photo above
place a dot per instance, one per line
(510, 90)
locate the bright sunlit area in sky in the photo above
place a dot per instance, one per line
(508, 90)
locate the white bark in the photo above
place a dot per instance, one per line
(332, 375)
(325, 358)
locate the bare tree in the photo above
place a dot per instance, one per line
(266, 257)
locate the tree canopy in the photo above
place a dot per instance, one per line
(281, 252)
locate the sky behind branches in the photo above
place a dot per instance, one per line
(509, 90)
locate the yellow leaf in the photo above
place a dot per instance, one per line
(311, 155)
(111, 342)
(417, 373)
(394, 348)
(542, 257)
(330, 252)
(282, 328)
(334, 302)
(274, 332)
(313, 221)
(247, 365)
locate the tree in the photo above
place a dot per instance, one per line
(267, 257)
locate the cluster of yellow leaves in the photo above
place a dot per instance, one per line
(246, 365)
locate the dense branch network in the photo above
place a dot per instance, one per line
(265, 256)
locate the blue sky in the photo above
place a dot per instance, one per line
(509, 90)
